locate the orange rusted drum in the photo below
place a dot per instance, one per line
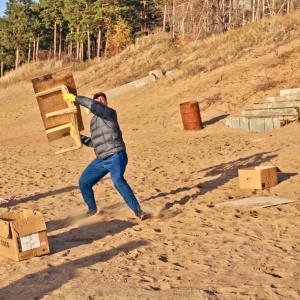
(190, 114)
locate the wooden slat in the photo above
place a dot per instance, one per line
(65, 111)
(67, 149)
(49, 91)
(57, 128)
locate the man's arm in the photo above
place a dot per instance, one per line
(96, 108)
(87, 141)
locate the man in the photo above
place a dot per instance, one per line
(109, 147)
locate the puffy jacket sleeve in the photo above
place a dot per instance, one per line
(96, 108)
(87, 141)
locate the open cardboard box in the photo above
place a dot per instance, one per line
(23, 235)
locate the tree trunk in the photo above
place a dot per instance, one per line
(33, 50)
(257, 11)
(60, 42)
(193, 19)
(243, 12)
(207, 16)
(54, 41)
(17, 58)
(229, 16)
(37, 49)
(173, 21)
(70, 48)
(164, 19)
(99, 43)
(106, 47)
(253, 10)
(77, 46)
(88, 46)
(50, 53)
(29, 53)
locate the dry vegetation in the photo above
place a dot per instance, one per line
(191, 57)
(191, 248)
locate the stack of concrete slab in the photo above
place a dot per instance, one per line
(275, 113)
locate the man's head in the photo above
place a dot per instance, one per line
(100, 97)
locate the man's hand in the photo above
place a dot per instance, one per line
(69, 97)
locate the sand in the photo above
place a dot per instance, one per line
(190, 248)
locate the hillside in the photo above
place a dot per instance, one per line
(189, 248)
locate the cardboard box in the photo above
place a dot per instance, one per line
(258, 177)
(23, 235)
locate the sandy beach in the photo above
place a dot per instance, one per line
(190, 248)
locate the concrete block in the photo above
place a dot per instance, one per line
(244, 123)
(284, 98)
(237, 122)
(276, 104)
(276, 113)
(290, 92)
(156, 73)
(258, 124)
(286, 111)
(131, 86)
(264, 124)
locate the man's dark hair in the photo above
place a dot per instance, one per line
(99, 94)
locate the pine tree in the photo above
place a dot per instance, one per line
(74, 13)
(4, 45)
(17, 21)
(52, 17)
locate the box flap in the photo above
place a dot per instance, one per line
(11, 215)
(15, 215)
(4, 229)
(29, 225)
(29, 213)
(265, 168)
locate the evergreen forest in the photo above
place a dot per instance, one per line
(81, 30)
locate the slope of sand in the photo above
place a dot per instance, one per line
(189, 248)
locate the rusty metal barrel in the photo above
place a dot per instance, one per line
(190, 114)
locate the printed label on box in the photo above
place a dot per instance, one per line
(29, 242)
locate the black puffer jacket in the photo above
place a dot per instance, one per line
(106, 136)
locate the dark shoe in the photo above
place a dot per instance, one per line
(91, 212)
(141, 214)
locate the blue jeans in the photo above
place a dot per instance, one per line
(97, 169)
